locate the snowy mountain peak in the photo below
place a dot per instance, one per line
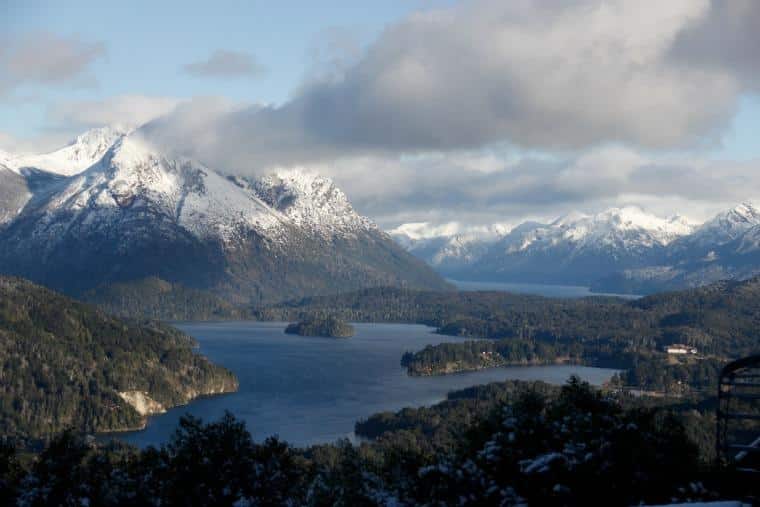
(134, 177)
(84, 151)
(419, 231)
(747, 212)
(728, 225)
(627, 227)
(140, 211)
(133, 180)
(311, 201)
(5, 159)
(570, 218)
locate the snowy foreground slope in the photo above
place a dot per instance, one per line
(137, 212)
(621, 249)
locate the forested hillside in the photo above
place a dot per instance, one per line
(154, 298)
(504, 444)
(721, 320)
(63, 364)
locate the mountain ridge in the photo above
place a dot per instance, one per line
(139, 212)
(617, 250)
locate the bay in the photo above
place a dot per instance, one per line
(312, 390)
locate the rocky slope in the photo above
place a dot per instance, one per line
(138, 213)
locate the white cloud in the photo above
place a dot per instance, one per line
(534, 74)
(129, 110)
(429, 189)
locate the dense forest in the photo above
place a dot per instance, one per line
(64, 363)
(154, 298)
(721, 320)
(526, 444)
(322, 326)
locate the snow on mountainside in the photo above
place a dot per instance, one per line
(81, 153)
(617, 250)
(617, 232)
(311, 201)
(14, 194)
(447, 245)
(138, 212)
(132, 175)
(202, 201)
(726, 226)
(627, 229)
(5, 159)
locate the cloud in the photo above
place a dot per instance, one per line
(224, 63)
(440, 189)
(128, 110)
(539, 75)
(727, 39)
(65, 120)
(47, 59)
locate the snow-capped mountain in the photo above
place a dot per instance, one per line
(724, 227)
(725, 247)
(311, 201)
(14, 194)
(574, 248)
(5, 159)
(450, 246)
(617, 250)
(617, 230)
(138, 212)
(75, 157)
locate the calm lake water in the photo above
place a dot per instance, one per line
(313, 390)
(538, 289)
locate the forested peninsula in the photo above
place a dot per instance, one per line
(67, 364)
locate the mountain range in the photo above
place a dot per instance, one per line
(111, 208)
(623, 250)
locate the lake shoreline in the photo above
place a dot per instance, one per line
(311, 391)
(537, 289)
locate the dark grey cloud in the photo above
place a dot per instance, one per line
(44, 58)
(727, 39)
(224, 63)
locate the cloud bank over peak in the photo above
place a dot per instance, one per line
(535, 74)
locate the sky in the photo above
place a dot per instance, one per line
(459, 114)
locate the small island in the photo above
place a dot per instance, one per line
(324, 327)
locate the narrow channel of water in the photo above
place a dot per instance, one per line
(537, 289)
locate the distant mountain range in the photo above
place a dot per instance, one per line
(110, 208)
(623, 250)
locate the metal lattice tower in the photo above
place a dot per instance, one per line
(738, 417)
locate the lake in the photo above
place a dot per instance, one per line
(537, 289)
(313, 390)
